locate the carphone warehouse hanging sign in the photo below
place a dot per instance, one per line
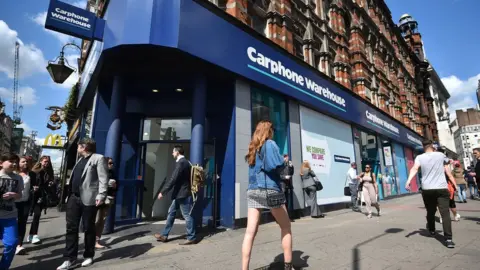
(74, 21)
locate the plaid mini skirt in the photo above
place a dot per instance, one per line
(258, 198)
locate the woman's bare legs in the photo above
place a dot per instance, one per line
(252, 227)
(281, 216)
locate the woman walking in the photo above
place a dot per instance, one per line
(44, 175)
(452, 187)
(308, 179)
(265, 164)
(23, 204)
(370, 190)
(12, 185)
(459, 176)
(103, 210)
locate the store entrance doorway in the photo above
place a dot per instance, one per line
(158, 167)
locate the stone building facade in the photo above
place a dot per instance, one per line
(356, 43)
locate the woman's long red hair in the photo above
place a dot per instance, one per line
(263, 132)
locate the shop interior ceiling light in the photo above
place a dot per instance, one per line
(155, 90)
(179, 90)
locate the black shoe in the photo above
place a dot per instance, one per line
(449, 243)
(288, 266)
(431, 233)
(319, 216)
(465, 201)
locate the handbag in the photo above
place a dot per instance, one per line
(273, 200)
(346, 189)
(318, 184)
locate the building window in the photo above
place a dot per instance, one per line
(259, 24)
(269, 106)
(298, 48)
(159, 129)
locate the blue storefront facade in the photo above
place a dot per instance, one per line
(184, 72)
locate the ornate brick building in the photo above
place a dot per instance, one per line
(356, 43)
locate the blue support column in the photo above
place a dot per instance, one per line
(198, 134)
(114, 138)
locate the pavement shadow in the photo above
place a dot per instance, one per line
(477, 219)
(426, 233)
(128, 252)
(44, 245)
(127, 227)
(208, 232)
(47, 264)
(129, 237)
(299, 261)
(356, 248)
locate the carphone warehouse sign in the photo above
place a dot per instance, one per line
(275, 69)
(218, 41)
(74, 21)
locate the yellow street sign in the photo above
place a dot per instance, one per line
(55, 140)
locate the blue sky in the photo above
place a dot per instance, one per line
(449, 29)
(24, 20)
(451, 38)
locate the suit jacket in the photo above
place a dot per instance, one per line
(95, 180)
(180, 180)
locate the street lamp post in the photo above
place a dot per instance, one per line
(61, 70)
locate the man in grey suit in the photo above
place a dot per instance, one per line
(87, 190)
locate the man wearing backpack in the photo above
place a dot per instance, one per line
(181, 197)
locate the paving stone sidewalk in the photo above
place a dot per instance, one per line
(343, 240)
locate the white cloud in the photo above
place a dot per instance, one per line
(462, 92)
(26, 95)
(39, 141)
(31, 58)
(79, 3)
(26, 128)
(40, 20)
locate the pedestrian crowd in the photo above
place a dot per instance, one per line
(92, 189)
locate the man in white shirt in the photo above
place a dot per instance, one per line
(434, 188)
(352, 179)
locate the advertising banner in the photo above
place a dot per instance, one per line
(327, 145)
(387, 153)
(316, 152)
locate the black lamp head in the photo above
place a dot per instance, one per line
(59, 71)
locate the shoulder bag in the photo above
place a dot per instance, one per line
(318, 184)
(346, 189)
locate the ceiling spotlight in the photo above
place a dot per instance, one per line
(155, 90)
(179, 90)
(145, 134)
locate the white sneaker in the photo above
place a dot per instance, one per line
(29, 238)
(457, 217)
(36, 240)
(20, 251)
(65, 265)
(87, 262)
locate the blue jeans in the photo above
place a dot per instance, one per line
(462, 192)
(185, 205)
(9, 236)
(473, 189)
